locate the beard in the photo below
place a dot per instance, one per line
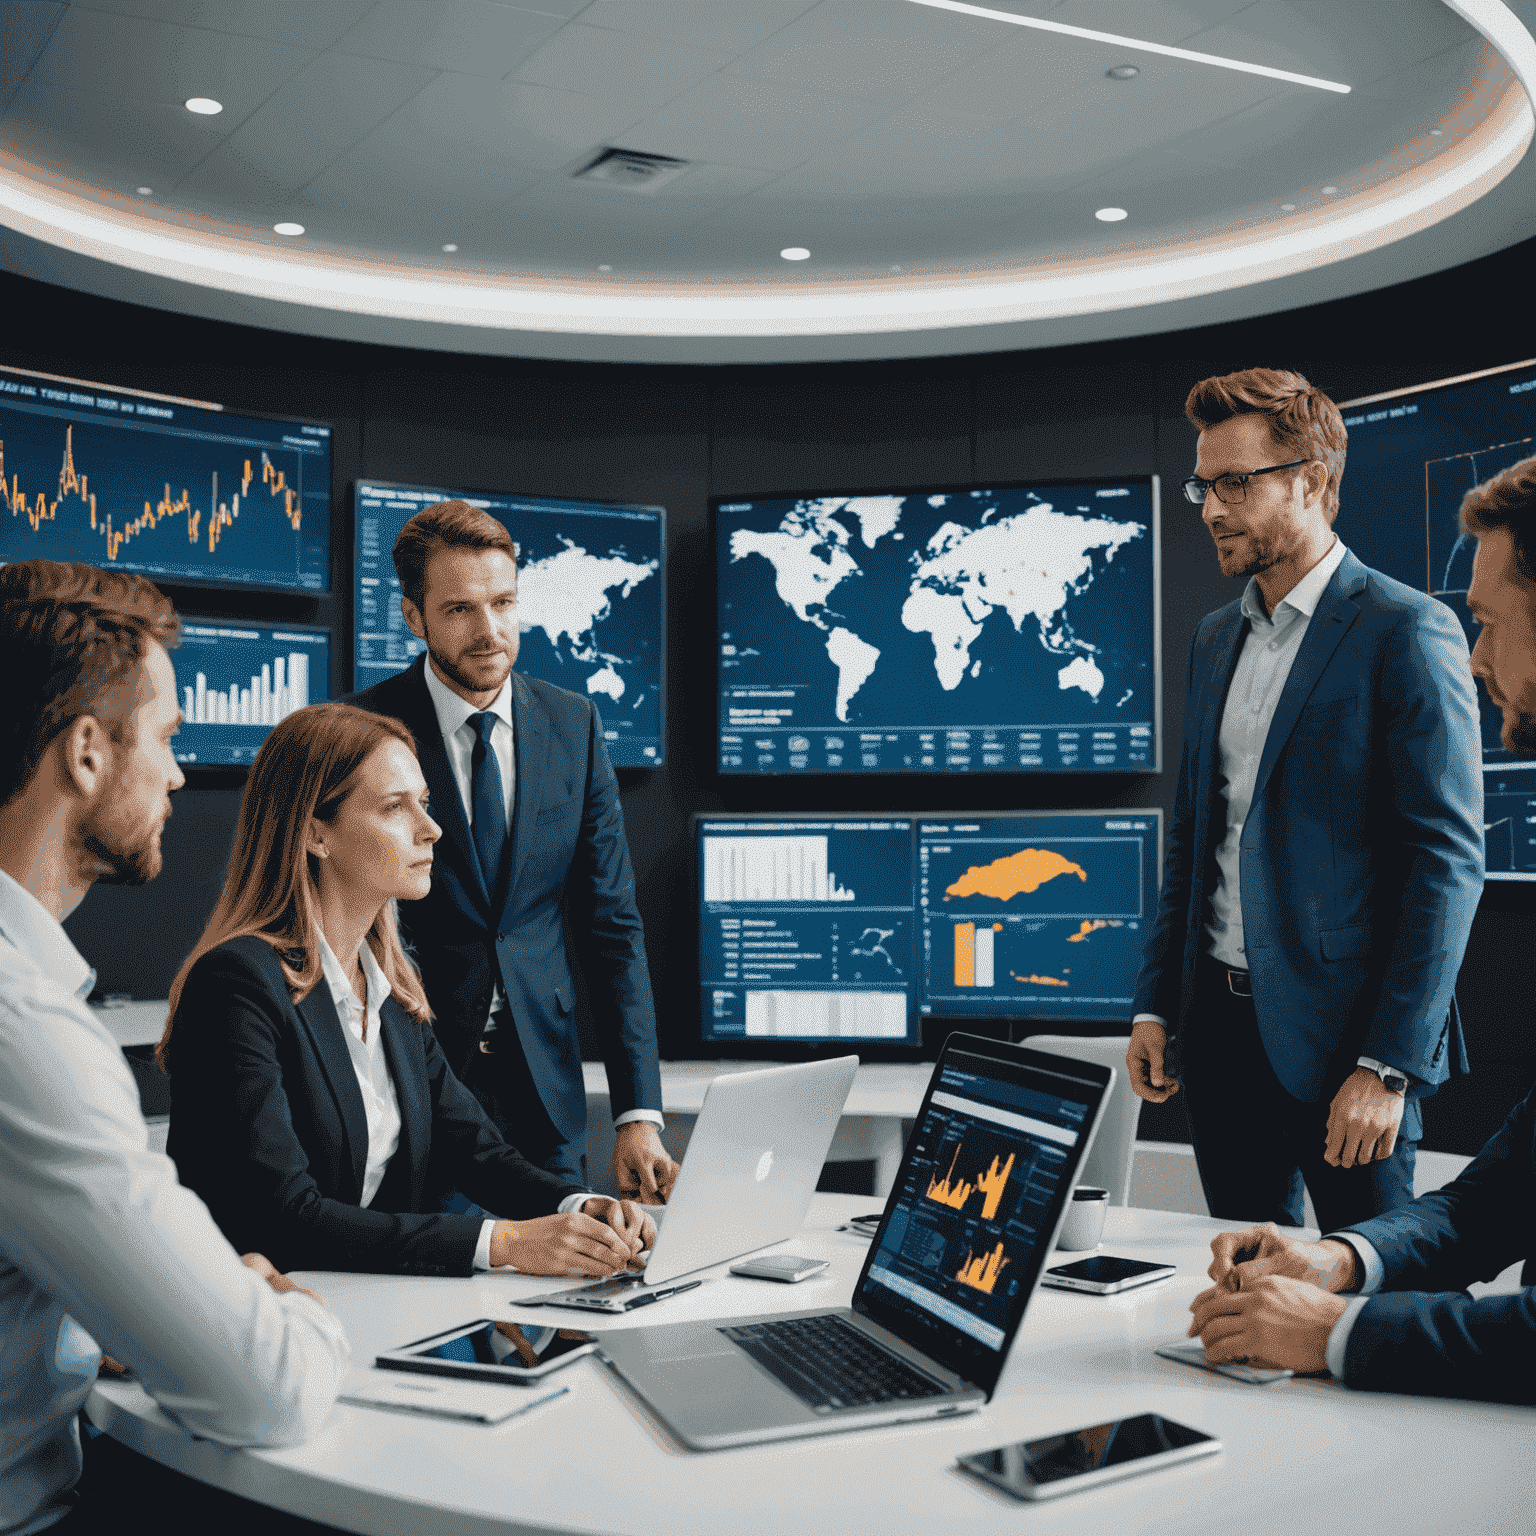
(449, 667)
(133, 859)
(1519, 734)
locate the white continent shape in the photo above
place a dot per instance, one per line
(854, 659)
(801, 577)
(877, 516)
(567, 594)
(608, 681)
(1081, 672)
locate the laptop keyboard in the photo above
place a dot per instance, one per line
(829, 1365)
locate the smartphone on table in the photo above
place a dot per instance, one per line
(1056, 1465)
(1105, 1275)
(492, 1351)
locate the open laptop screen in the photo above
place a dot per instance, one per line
(968, 1226)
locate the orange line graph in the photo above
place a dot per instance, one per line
(992, 1184)
(953, 1195)
(955, 1192)
(72, 483)
(981, 1273)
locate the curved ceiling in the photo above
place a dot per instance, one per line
(941, 163)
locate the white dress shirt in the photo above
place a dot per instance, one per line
(381, 1105)
(99, 1241)
(459, 738)
(1373, 1272)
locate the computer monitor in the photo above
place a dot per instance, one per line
(1002, 630)
(590, 598)
(1413, 454)
(1038, 916)
(807, 930)
(172, 489)
(237, 681)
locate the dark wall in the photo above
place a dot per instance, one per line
(677, 435)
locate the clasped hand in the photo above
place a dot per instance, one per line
(604, 1238)
(1362, 1121)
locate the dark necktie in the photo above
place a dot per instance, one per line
(488, 800)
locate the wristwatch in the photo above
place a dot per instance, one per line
(1392, 1080)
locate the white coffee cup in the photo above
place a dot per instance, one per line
(1084, 1223)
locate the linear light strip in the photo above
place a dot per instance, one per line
(1135, 43)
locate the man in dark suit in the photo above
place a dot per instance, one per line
(529, 807)
(1411, 1326)
(1325, 854)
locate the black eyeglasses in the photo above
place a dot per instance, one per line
(1231, 489)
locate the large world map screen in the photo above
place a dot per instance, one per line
(589, 601)
(972, 631)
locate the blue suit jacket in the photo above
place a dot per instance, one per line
(565, 846)
(1362, 854)
(268, 1126)
(1422, 1332)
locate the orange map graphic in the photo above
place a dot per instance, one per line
(1025, 871)
(1092, 925)
(1041, 981)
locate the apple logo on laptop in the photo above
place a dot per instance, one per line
(765, 1165)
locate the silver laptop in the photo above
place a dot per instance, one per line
(965, 1234)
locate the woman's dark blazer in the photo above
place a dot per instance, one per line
(268, 1127)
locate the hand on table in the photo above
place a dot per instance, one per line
(275, 1278)
(1275, 1320)
(562, 1245)
(1241, 1258)
(1362, 1121)
(641, 1166)
(627, 1219)
(1144, 1063)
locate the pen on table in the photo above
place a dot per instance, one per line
(547, 1398)
(648, 1297)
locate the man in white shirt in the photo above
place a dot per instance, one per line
(101, 1249)
(1324, 857)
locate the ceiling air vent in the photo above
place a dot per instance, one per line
(632, 170)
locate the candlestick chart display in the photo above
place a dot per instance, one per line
(237, 681)
(173, 491)
(1038, 917)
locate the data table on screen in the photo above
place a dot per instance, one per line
(162, 488)
(1037, 916)
(590, 601)
(972, 631)
(806, 929)
(238, 681)
(1413, 455)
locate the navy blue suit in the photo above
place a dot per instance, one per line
(567, 849)
(268, 1127)
(1361, 855)
(1422, 1332)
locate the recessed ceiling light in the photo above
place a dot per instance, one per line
(450, 249)
(1329, 191)
(795, 253)
(1140, 45)
(605, 268)
(1287, 207)
(1111, 215)
(205, 106)
(288, 229)
(146, 191)
(1122, 72)
(1437, 133)
(895, 269)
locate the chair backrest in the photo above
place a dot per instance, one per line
(1109, 1159)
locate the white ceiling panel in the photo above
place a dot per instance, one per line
(640, 71)
(1029, 69)
(713, 23)
(748, 122)
(473, 37)
(1155, 21)
(304, 23)
(26, 29)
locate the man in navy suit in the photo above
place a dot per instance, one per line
(1325, 854)
(523, 789)
(1411, 1326)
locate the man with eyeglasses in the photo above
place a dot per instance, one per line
(1325, 854)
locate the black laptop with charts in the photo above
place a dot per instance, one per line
(966, 1232)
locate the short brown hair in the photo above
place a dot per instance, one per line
(448, 525)
(1507, 501)
(70, 635)
(1303, 421)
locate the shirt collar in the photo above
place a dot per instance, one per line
(454, 712)
(1304, 597)
(341, 988)
(36, 933)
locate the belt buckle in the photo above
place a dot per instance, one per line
(1239, 983)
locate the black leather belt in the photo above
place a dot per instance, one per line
(1238, 982)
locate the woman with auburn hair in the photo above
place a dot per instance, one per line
(311, 1107)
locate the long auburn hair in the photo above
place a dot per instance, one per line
(304, 770)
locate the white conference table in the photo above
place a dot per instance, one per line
(1300, 1455)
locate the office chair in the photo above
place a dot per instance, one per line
(1108, 1164)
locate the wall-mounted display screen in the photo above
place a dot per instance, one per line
(940, 631)
(238, 680)
(590, 598)
(807, 929)
(174, 491)
(1038, 916)
(1413, 455)
(859, 927)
